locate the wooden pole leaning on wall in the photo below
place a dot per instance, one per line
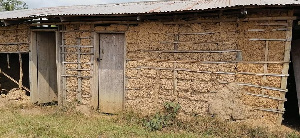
(285, 69)
(13, 80)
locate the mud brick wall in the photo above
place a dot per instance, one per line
(14, 38)
(264, 41)
(156, 73)
(233, 70)
(77, 53)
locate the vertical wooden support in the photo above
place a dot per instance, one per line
(20, 61)
(285, 69)
(158, 73)
(7, 60)
(238, 43)
(265, 65)
(175, 64)
(124, 73)
(59, 68)
(93, 97)
(33, 68)
(63, 70)
(21, 71)
(79, 79)
(95, 78)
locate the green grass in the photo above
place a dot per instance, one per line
(62, 124)
(18, 121)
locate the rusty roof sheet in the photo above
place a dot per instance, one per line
(140, 7)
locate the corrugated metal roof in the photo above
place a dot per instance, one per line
(141, 7)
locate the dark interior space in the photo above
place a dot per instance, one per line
(10, 65)
(291, 115)
(25, 67)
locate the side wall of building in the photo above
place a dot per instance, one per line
(232, 69)
(235, 68)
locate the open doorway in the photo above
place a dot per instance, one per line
(291, 115)
(43, 70)
(12, 71)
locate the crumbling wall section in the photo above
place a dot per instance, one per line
(197, 64)
(14, 38)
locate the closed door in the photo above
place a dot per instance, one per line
(43, 68)
(111, 73)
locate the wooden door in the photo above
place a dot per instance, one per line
(44, 72)
(111, 73)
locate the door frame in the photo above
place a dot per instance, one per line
(96, 61)
(33, 59)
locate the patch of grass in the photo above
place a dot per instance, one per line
(19, 121)
(68, 124)
(203, 126)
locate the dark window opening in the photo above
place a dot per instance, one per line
(10, 67)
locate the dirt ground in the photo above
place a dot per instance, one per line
(14, 96)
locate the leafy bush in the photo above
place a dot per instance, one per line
(164, 119)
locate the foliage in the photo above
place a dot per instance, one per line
(167, 118)
(10, 5)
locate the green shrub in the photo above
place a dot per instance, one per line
(164, 119)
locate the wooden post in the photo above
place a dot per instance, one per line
(265, 65)
(33, 68)
(79, 79)
(63, 70)
(21, 72)
(8, 62)
(175, 65)
(285, 69)
(95, 77)
(59, 67)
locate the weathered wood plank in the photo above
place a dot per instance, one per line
(46, 67)
(47, 87)
(285, 69)
(59, 68)
(33, 68)
(95, 78)
(111, 73)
